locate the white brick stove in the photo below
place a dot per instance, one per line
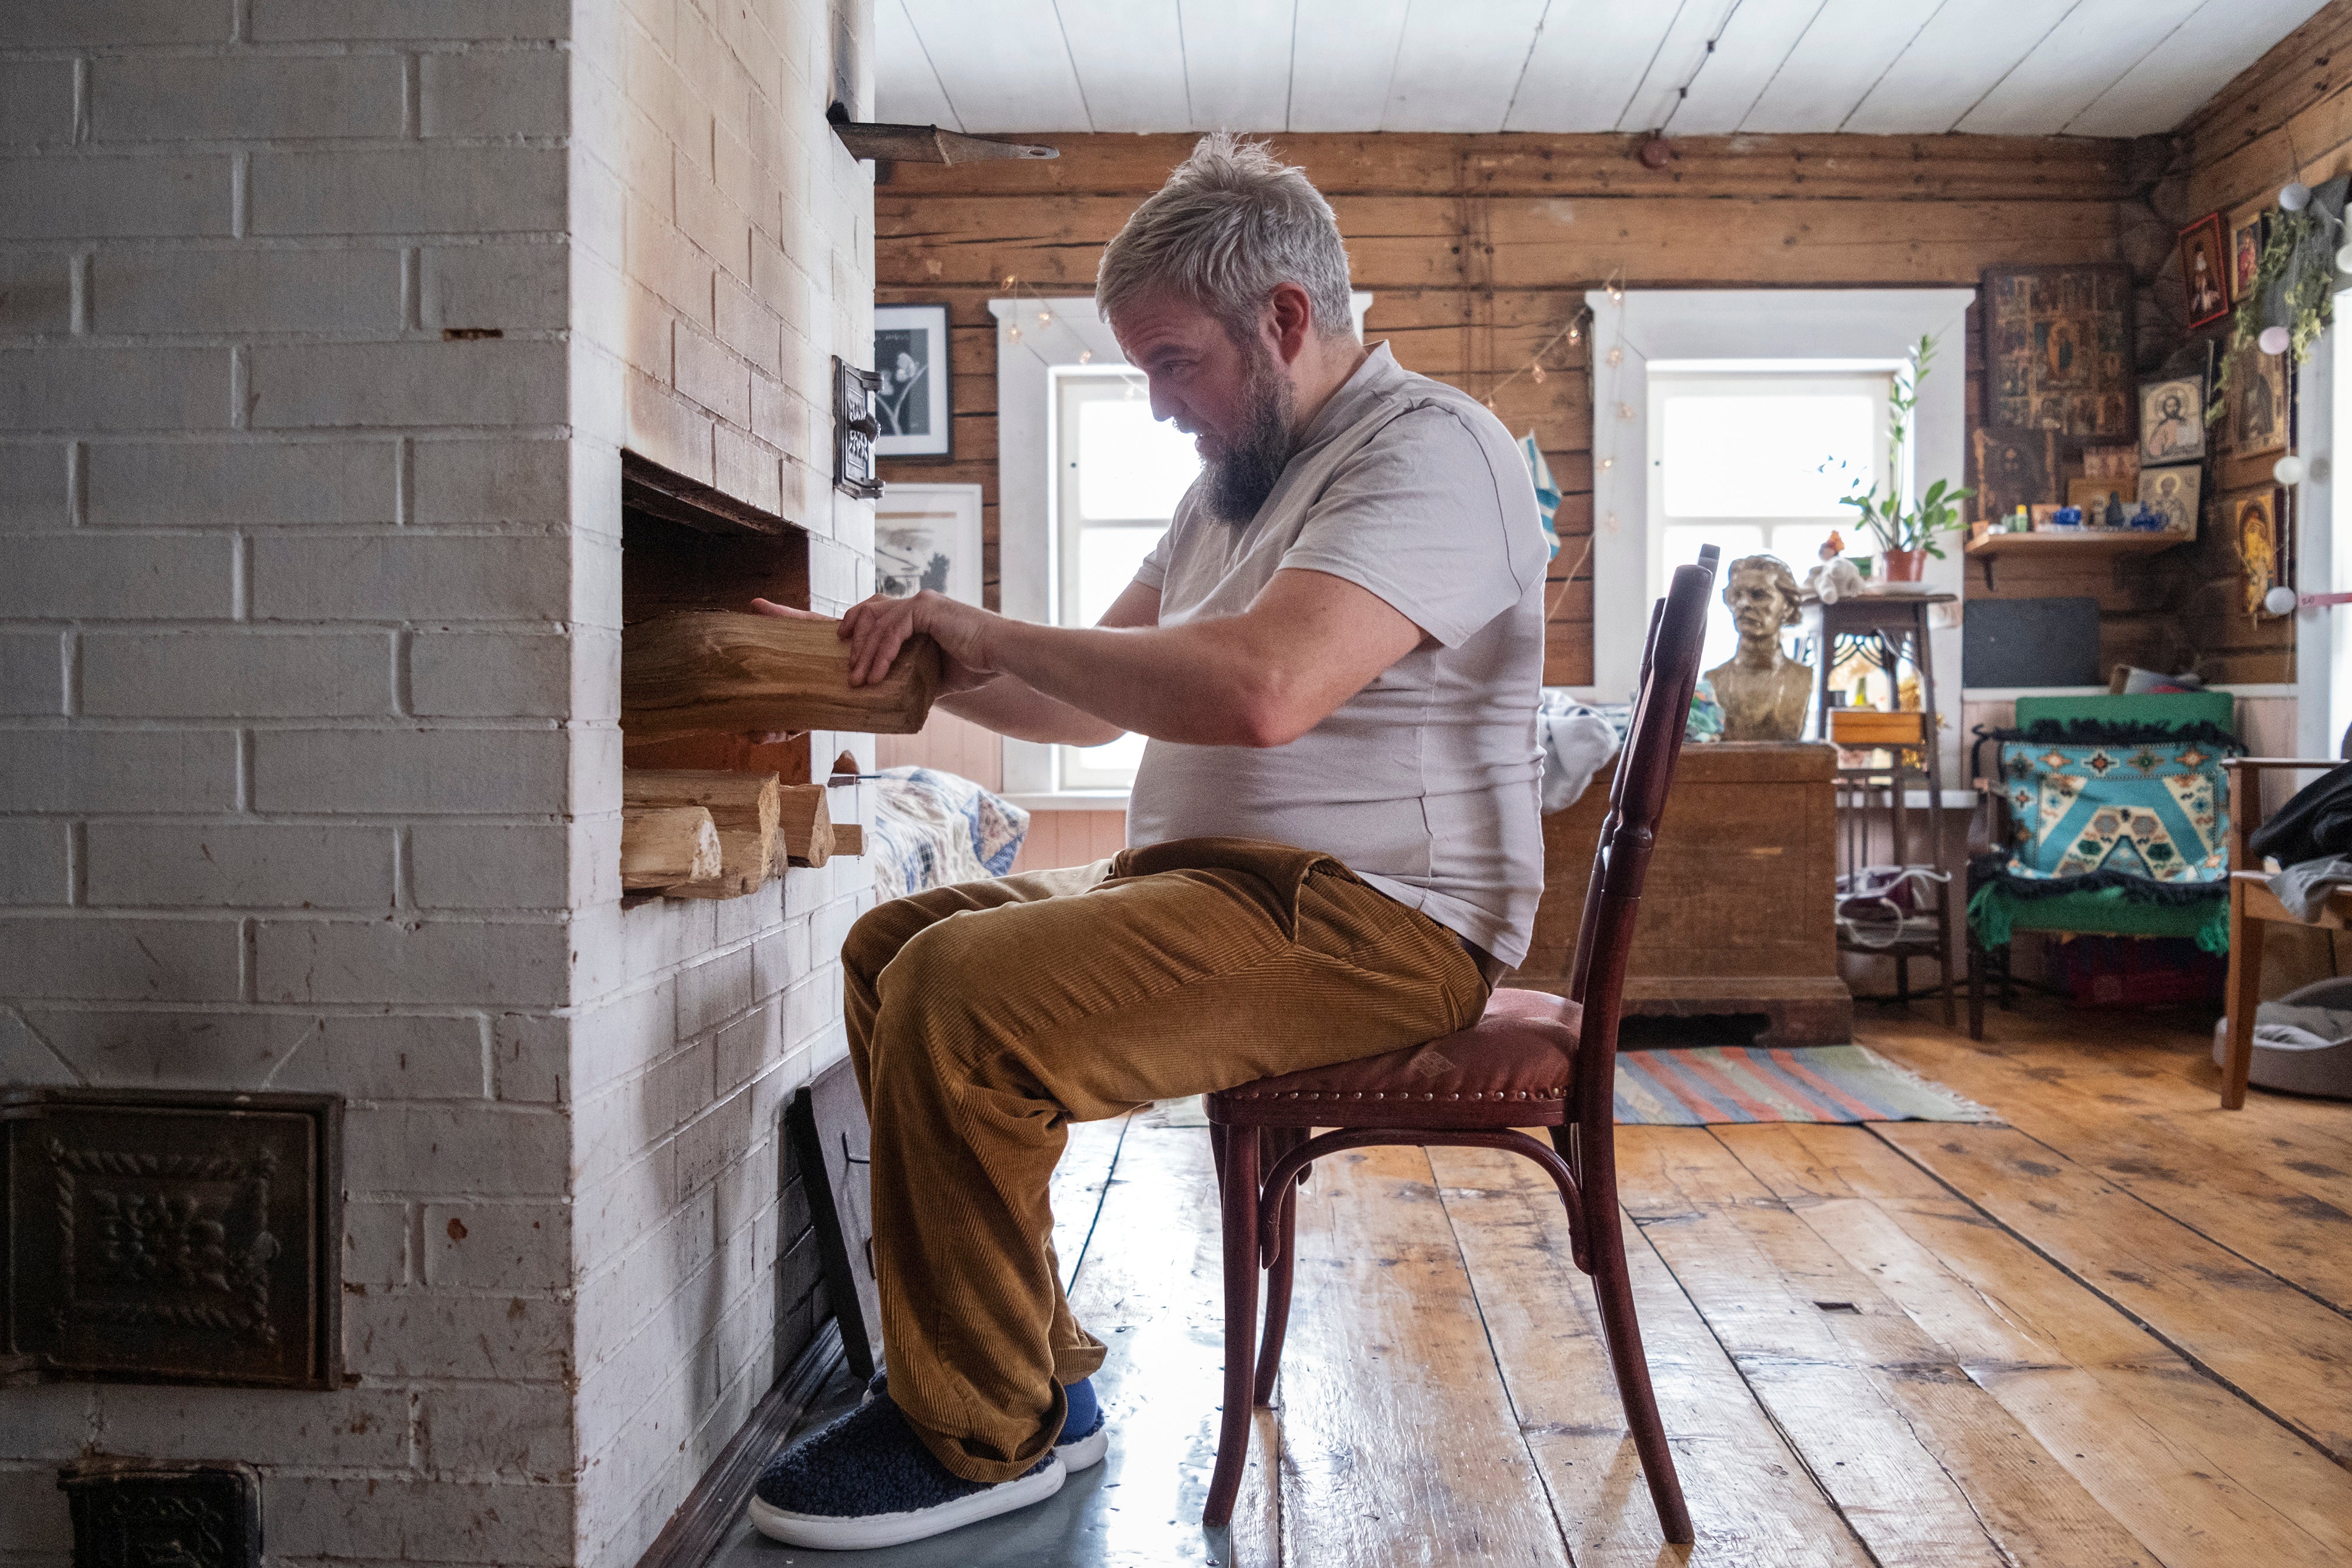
(311, 777)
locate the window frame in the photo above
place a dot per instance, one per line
(1070, 387)
(1765, 378)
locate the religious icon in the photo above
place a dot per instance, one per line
(2014, 468)
(2058, 350)
(2254, 529)
(2172, 494)
(2246, 251)
(2205, 285)
(2257, 400)
(2172, 420)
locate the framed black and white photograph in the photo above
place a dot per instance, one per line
(910, 354)
(928, 536)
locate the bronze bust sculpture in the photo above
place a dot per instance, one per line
(1763, 692)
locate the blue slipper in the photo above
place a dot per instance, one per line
(1086, 1432)
(865, 1479)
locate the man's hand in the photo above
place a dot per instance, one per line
(877, 629)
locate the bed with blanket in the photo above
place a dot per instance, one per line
(931, 829)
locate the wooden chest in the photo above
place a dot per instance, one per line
(1737, 915)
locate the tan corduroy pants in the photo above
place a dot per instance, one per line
(985, 1017)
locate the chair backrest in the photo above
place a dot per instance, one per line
(1637, 803)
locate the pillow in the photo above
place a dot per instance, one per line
(2151, 807)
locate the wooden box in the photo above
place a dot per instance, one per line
(1862, 727)
(1737, 915)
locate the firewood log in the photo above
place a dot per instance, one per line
(664, 846)
(742, 805)
(805, 833)
(848, 839)
(713, 670)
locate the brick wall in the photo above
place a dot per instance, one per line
(323, 324)
(724, 252)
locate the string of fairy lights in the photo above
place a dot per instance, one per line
(1042, 319)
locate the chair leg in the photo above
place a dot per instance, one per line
(1277, 1302)
(1613, 1287)
(2246, 995)
(1241, 1203)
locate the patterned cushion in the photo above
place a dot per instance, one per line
(2140, 807)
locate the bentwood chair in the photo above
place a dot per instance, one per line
(1533, 1061)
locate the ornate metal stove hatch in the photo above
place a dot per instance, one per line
(135, 1513)
(173, 1238)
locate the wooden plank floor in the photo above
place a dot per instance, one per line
(2117, 1331)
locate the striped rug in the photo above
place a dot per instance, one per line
(1692, 1086)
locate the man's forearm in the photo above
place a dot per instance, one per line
(1010, 707)
(1200, 683)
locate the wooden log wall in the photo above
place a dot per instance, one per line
(2288, 115)
(1478, 248)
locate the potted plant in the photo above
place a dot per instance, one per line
(1906, 535)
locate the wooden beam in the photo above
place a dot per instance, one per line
(805, 834)
(744, 807)
(1442, 163)
(663, 847)
(714, 670)
(848, 839)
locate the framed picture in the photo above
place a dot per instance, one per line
(2257, 401)
(2246, 244)
(2110, 461)
(2173, 494)
(928, 536)
(2057, 346)
(2015, 467)
(2204, 272)
(2171, 420)
(910, 354)
(2256, 521)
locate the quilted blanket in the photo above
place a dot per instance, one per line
(931, 829)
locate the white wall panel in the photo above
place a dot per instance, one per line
(2093, 48)
(1237, 62)
(1343, 53)
(1003, 63)
(1458, 65)
(906, 90)
(1832, 66)
(2193, 63)
(1586, 64)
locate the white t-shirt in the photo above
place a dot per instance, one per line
(1425, 782)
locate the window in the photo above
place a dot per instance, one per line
(1121, 474)
(1753, 463)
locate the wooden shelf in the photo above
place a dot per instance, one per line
(2056, 546)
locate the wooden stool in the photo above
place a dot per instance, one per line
(1534, 1061)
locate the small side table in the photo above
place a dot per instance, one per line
(1891, 629)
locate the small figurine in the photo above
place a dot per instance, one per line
(1836, 577)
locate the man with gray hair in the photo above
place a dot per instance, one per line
(1336, 653)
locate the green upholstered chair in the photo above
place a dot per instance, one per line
(2103, 816)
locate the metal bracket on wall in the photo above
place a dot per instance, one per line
(853, 429)
(929, 144)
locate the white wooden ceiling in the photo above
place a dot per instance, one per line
(2020, 68)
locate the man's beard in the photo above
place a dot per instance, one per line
(1245, 475)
